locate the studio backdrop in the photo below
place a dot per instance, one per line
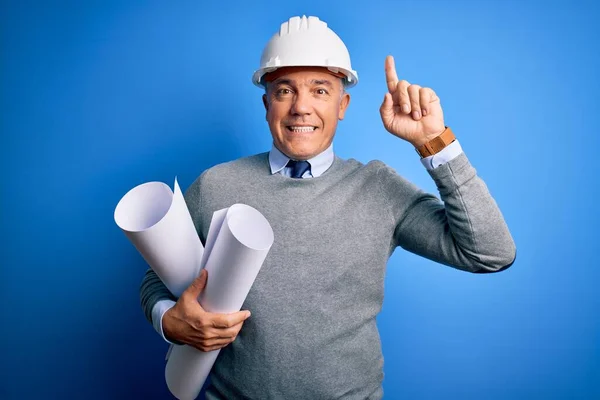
(99, 97)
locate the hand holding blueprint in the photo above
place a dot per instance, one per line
(237, 244)
(159, 225)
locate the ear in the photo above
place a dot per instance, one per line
(265, 103)
(343, 106)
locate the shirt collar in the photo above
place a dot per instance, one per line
(318, 164)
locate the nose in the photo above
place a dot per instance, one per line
(301, 104)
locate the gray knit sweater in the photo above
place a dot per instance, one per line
(313, 332)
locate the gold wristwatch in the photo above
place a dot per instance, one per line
(436, 144)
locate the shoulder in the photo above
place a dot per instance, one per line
(375, 175)
(385, 177)
(230, 171)
(235, 167)
(371, 168)
(241, 164)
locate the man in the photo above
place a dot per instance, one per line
(313, 333)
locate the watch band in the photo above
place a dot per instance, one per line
(436, 144)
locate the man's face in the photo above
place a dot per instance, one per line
(303, 107)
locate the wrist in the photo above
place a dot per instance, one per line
(433, 145)
(166, 324)
(421, 141)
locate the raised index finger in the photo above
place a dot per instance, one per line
(390, 74)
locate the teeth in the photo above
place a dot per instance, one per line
(302, 128)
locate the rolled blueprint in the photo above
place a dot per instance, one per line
(158, 223)
(237, 244)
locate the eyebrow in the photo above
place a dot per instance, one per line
(322, 82)
(313, 81)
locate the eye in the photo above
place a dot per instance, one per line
(283, 91)
(322, 91)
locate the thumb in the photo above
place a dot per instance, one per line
(198, 284)
(387, 108)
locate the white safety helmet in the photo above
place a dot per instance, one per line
(306, 42)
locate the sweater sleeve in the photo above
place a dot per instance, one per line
(152, 289)
(466, 230)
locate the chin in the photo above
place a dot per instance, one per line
(300, 156)
(299, 152)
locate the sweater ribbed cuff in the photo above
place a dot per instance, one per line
(453, 174)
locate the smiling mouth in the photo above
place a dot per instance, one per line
(301, 129)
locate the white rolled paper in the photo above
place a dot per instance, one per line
(158, 223)
(237, 244)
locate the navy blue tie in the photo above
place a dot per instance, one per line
(298, 168)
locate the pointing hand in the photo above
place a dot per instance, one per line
(410, 112)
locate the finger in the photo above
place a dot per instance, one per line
(218, 342)
(402, 99)
(228, 333)
(426, 96)
(197, 286)
(390, 74)
(211, 345)
(415, 101)
(229, 320)
(233, 331)
(387, 108)
(212, 334)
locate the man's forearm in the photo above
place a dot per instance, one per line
(467, 231)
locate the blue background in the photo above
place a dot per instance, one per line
(98, 97)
